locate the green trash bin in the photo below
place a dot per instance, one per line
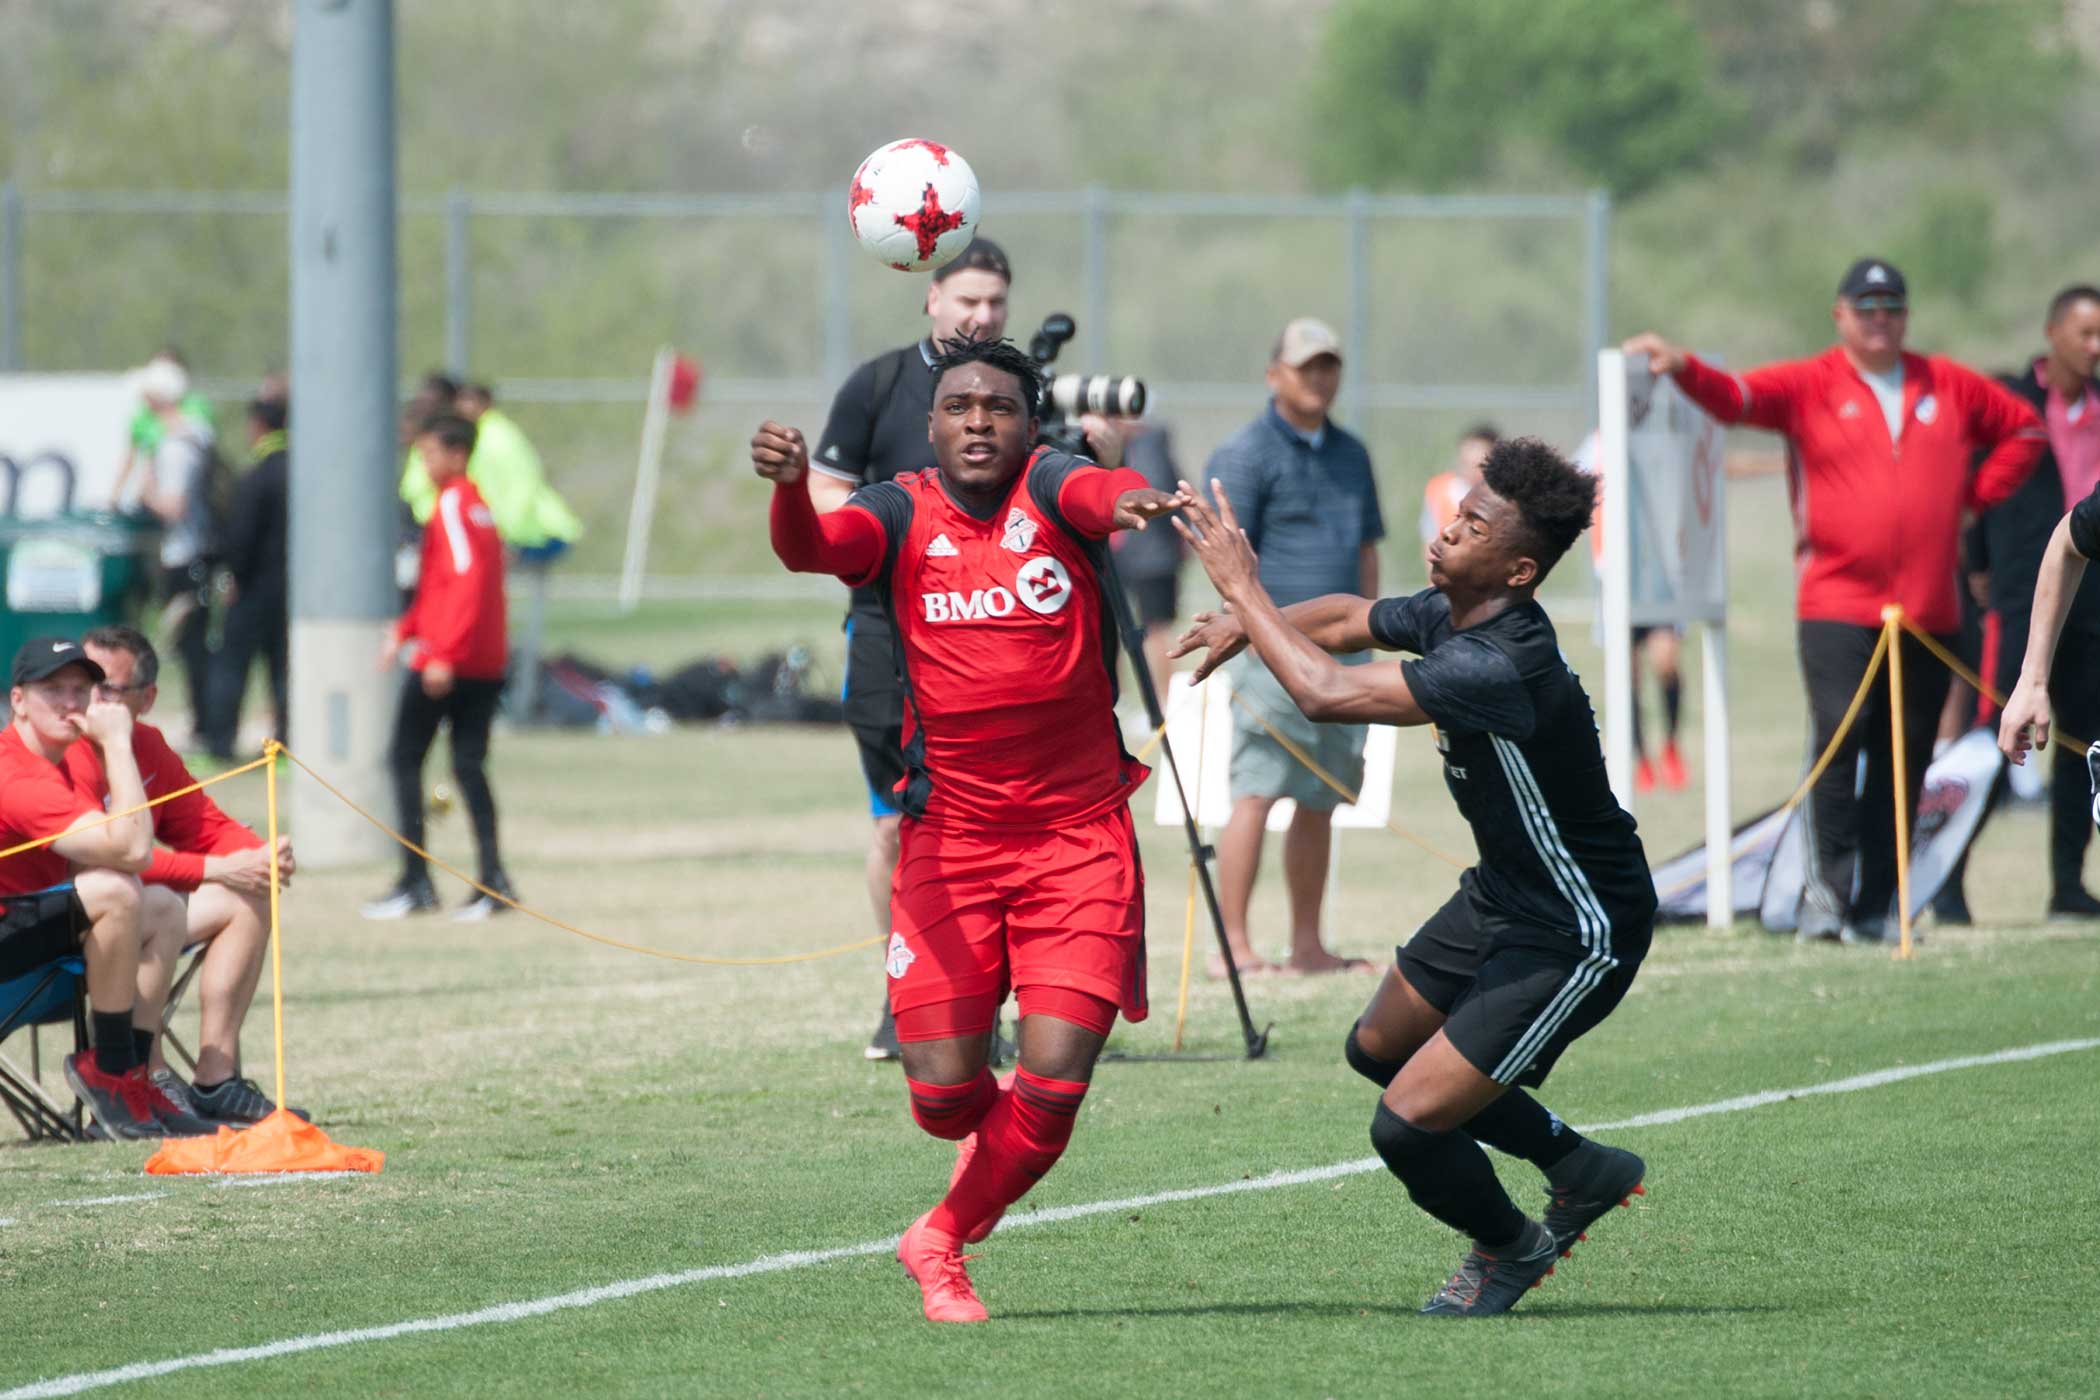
(68, 573)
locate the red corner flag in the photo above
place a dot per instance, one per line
(685, 384)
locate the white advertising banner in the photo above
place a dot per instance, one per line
(62, 439)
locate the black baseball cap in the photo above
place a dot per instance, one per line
(1872, 277)
(43, 657)
(981, 255)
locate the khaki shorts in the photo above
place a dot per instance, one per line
(1262, 767)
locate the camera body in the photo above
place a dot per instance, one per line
(1067, 396)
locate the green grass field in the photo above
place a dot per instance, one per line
(562, 1117)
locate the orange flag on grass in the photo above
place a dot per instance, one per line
(282, 1142)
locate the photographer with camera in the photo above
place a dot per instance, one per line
(1305, 495)
(877, 430)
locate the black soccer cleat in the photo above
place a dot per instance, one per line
(1487, 1284)
(1593, 1179)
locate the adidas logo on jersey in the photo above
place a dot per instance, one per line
(942, 548)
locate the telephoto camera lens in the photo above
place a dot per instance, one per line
(1116, 396)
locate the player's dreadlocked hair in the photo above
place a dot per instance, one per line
(1000, 354)
(1554, 496)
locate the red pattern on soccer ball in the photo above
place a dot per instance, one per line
(932, 148)
(930, 222)
(858, 195)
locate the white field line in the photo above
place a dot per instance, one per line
(111, 1200)
(279, 1178)
(800, 1259)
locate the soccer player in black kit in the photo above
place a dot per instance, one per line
(1545, 934)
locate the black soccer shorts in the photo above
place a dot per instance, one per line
(1515, 995)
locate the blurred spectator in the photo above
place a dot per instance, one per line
(1149, 561)
(258, 618)
(1304, 492)
(182, 486)
(506, 470)
(147, 426)
(1881, 446)
(1440, 499)
(1658, 645)
(455, 641)
(2009, 542)
(208, 883)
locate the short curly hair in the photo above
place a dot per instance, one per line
(1554, 496)
(1000, 354)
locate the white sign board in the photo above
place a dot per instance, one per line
(1668, 452)
(1199, 726)
(1665, 562)
(62, 438)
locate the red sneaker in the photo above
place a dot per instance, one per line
(118, 1102)
(1644, 775)
(1672, 768)
(936, 1266)
(964, 1151)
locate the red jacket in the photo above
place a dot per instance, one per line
(186, 830)
(1877, 522)
(457, 616)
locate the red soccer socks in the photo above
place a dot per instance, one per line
(1018, 1142)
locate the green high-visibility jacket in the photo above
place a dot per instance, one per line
(506, 470)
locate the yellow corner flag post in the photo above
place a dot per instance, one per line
(270, 751)
(1892, 627)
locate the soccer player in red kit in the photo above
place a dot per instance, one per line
(1019, 866)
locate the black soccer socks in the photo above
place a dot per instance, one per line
(1447, 1175)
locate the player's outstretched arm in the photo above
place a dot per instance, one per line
(2027, 714)
(1337, 622)
(847, 543)
(1323, 688)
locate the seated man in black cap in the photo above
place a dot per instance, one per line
(82, 890)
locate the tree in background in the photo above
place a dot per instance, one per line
(1426, 93)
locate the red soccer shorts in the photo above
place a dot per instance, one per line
(976, 914)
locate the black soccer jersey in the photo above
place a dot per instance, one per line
(1522, 760)
(877, 431)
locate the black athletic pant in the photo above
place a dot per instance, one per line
(255, 623)
(469, 709)
(2074, 697)
(1853, 828)
(185, 587)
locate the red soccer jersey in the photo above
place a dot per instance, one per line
(1003, 636)
(1877, 521)
(187, 829)
(36, 800)
(457, 616)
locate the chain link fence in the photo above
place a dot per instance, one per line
(1452, 309)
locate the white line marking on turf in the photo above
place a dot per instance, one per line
(799, 1259)
(279, 1178)
(111, 1200)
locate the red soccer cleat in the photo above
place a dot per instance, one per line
(1644, 775)
(937, 1267)
(1672, 768)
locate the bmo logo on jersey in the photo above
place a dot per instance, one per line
(1042, 586)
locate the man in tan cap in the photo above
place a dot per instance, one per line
(1304, 493)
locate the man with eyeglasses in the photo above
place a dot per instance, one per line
(208, 884)
(1879, 450)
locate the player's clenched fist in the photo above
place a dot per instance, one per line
(779, 453)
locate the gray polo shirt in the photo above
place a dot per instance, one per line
(1308, 504)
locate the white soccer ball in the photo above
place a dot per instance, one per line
(913, 204)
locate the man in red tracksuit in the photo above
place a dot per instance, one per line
(1879, 447)
(453, 639)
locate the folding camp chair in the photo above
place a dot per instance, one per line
(168, 1038)
(52, 994)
